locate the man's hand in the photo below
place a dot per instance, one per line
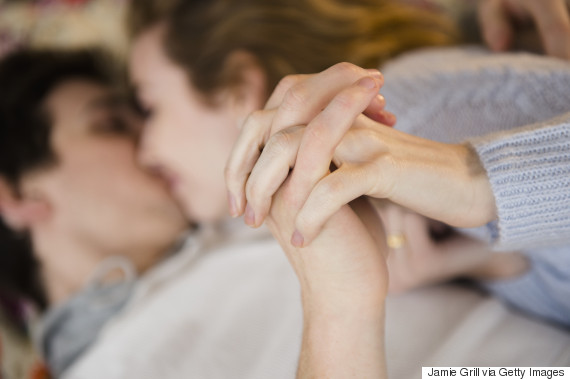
(344, 281)
(497, 18)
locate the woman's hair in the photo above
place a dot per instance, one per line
(292, 36)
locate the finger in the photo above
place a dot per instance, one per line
(384, 117)
(270, 171)
(396, 232)
(307, 98)
(417, 229)
(327, 197)
(242, 159)
(553, 21)
(282, 88)
(325, 132)
(376, 111)
(495, 24)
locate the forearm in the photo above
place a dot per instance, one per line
(342, 341)
(343, 278)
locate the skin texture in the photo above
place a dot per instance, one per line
(344, 282)
(186, 138)
(95, 201)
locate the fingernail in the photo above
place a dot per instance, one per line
(249, 216)
(367, 82)
(233, 205)
(297, 240)
(381, 100)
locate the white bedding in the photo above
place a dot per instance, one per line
(451, 325)
(233, 311)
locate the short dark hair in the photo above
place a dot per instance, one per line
(27, 77)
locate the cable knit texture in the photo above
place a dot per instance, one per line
(530, 176)
(464, 94)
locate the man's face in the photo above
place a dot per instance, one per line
(97, 193)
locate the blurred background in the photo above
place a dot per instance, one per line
(72, 23)
(67, 23)
(80, 23)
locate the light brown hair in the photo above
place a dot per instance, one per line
(295, 36)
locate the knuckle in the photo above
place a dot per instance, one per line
(287, 82)
(373, 135)
(279, 143)
(327, 188)
(327, 191)
(230, 175)
(255, 120)
(295, 97)
(317, 132)
(346, 68)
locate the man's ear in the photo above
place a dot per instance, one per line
(21, 212)
(248, 84)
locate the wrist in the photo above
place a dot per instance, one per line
(369, 305)
(336, 305)
(483, 198)
(341, 342)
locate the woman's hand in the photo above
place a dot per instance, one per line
(297, 100)
(496, 18)
(442, 181)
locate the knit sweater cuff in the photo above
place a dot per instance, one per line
(529, 172)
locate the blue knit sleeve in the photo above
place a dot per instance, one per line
(529, 171)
